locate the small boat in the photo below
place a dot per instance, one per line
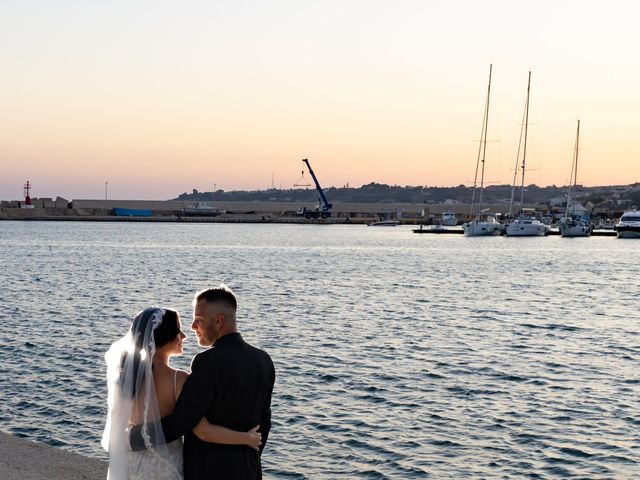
(449, 219)
(629, 225)
(202, 209)
(384, 223)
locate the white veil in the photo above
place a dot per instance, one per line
(132, 396)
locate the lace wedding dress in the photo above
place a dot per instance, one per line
(150, 464)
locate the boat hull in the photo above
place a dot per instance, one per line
(575, 231)
(628, 232)
(481, 229)
(518, 229)
(384, 223)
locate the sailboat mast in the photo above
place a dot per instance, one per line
(523, 126)
(573, 178)
(484, 140)
(481, 150)
(524, 148)
(575, 173)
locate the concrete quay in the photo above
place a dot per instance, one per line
(24, 460)
(276, 212)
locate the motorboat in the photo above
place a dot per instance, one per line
(202, 209)
(384, 223)
(629, 225)
(449, 219)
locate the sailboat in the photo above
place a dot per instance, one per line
(570, 225)
(525, 225)
(484, 224)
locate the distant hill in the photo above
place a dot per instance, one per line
(603, 197)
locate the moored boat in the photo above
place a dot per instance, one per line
(526, 225)
(449, 219)
(629, 225)
(483, 224)
(384, 223)
(572, 225)
(202, 209)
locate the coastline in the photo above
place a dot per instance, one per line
(26, 460)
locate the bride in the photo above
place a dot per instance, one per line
(143, 388)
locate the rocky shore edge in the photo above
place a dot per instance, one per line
(22, 459)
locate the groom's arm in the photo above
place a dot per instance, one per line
(193, 403)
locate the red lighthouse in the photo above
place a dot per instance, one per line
(27, 198)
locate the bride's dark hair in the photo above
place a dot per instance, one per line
(168, 328)
(162, 334)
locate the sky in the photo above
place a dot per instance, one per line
(154, 98)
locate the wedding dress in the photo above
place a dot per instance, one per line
(130, 385)
(149, 464)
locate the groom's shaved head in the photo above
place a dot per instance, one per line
(221, 295)
(214, 314)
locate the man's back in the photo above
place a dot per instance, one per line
(240, 378)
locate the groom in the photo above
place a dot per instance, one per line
(230, 384)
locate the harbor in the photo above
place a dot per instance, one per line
(475, 370)
(434, 218)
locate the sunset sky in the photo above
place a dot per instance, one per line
(160, 97)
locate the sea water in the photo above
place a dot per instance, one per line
(397, 355)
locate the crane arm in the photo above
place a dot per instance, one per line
(325, 204)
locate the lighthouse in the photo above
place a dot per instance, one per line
(27, 199)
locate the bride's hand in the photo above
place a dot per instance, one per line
(254, 438)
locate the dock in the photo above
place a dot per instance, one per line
(458, 231)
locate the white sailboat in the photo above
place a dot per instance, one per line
(484, 223)
(526, 225)
(570, 225)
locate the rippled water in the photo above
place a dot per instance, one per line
(397, 355)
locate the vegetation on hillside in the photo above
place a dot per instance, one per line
(609, 197)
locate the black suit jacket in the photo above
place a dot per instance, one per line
(231, 385)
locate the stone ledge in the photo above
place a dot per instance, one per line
(21, 459)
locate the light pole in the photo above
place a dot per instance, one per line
(106, 184)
